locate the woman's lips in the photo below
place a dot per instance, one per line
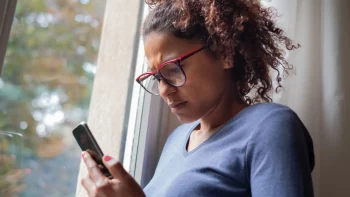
(176, 104)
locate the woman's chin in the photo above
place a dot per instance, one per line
(185, 118)
(185, 113)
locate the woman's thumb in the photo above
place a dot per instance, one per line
(115, 168)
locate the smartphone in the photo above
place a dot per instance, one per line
(88, 143)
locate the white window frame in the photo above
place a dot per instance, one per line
(148, 119)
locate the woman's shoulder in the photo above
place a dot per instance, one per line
(278, 124)
(265, 112)
(273, 114)
(266, 108)
(279, 130)
(261, 121)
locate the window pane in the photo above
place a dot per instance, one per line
(45, 92)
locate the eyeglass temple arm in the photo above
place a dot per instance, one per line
(192, 53)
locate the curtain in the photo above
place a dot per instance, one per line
(318, 87)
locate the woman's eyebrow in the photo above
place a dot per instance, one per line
(169, 57)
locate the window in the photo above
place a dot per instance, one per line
(45, 89)
(150, 123)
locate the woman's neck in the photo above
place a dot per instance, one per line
(229, 105)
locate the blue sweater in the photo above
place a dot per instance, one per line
(264, 151)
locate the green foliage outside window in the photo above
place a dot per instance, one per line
(45, 90)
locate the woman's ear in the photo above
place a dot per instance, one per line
(227, 64)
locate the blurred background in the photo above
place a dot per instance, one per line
(45, 90)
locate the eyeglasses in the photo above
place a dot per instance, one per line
(170, 71)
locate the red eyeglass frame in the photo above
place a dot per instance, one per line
(158, 75)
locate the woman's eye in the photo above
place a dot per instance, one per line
(174, 70)
(171, 72)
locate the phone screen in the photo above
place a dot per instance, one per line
(88, 143)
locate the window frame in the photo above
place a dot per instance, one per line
(7, 14)
(147, 127)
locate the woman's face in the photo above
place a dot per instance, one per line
(207, 76)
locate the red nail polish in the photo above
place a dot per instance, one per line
(82, 155)
(108, 158)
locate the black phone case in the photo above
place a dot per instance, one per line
(93, 142)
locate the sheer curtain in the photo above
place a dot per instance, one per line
(318, 88)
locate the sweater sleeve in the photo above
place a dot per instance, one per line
(280, 157)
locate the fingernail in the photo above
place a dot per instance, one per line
(82, 155)
(107, 158)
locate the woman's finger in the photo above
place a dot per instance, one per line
(115, 167)
(94, 171)
(94, 155)
(101, 167)
(104, 171)
(89, 185)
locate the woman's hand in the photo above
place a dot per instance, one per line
(97, 185)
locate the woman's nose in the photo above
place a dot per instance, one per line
(165, 89)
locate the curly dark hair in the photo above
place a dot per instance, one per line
(242, 32)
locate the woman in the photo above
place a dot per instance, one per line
(210, 61)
